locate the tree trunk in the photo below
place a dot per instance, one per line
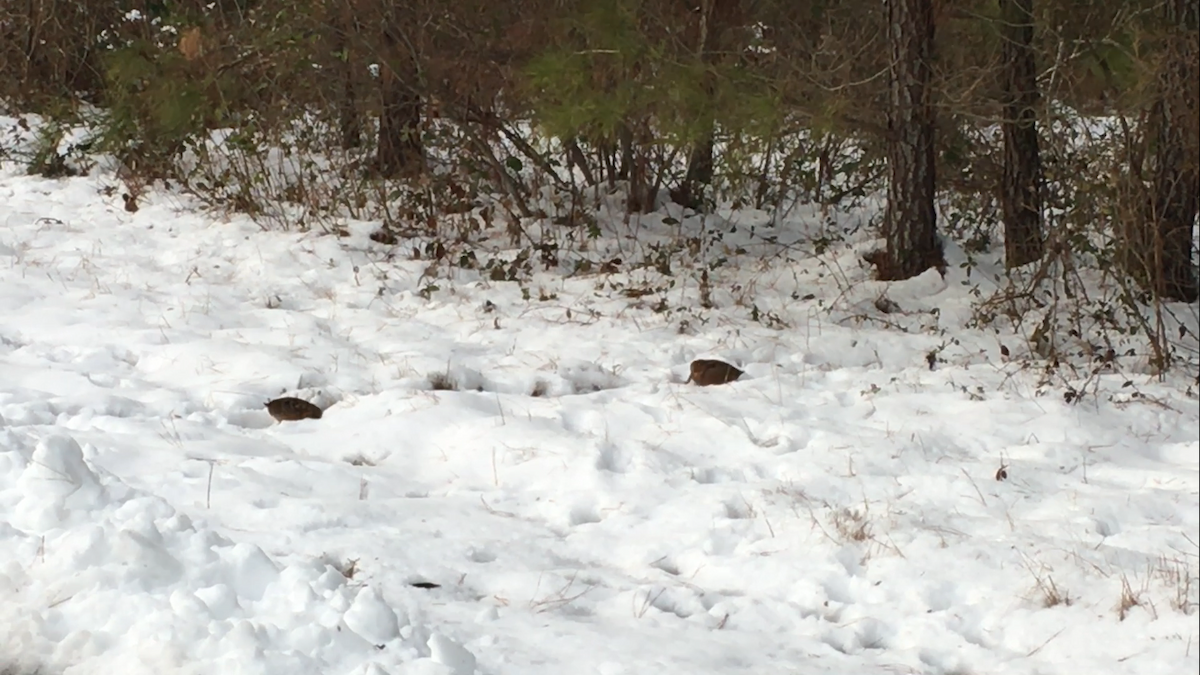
(625, 140)
(640, 199)
(345, 28)
(699, 171)
(1020, 193)
(1176, 187)
(910, 221)
(577, 160)
(400, 148)
(637, 167)
(700, 157)
(349, 120)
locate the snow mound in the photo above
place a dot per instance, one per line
(108, 578)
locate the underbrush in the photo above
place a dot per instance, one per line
(502, 209)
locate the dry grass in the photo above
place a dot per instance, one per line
(1131, 598)
(560, 598)
(442, 381)
(1180, 581)
(851, 525)
(1047, 590)
(1052, 595)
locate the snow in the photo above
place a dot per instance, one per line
(836, 510)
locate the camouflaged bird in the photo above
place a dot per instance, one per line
(290, 409)
(706, 372)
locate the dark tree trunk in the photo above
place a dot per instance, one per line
(699, 171)
(637, 167)
(700, 157)
(345, 28)
(625, 139)
(910, 221)
(714, 18)
(1020, 193)
(1176, 187)
(400, 148)
(640, 199)
(606, 150)
(349, 120)
(577, 160)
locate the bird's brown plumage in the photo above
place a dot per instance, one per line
(706, 372)
(290, 409)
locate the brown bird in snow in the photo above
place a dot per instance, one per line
(707, 372)
(290, 409)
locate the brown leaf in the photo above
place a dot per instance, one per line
(190, 44)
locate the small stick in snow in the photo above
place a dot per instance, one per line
(208, 490)
(973, 485)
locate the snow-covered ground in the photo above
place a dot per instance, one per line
(582, 510)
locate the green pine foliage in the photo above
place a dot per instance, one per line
(611, 71)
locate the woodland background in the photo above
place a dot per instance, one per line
(1067, 129)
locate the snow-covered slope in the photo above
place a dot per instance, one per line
(581, 509)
